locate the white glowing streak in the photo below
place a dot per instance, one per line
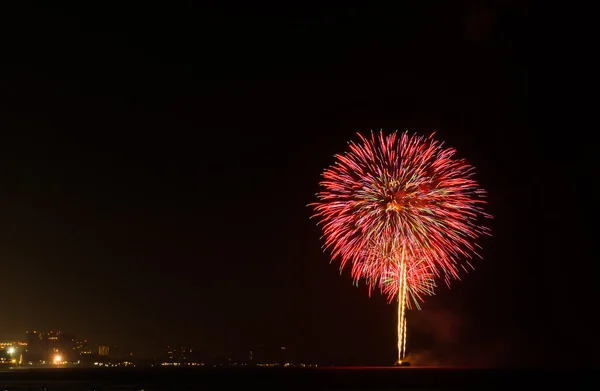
(402, 296)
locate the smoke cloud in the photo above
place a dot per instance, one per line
(445, 338)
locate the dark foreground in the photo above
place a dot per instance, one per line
(346, 378)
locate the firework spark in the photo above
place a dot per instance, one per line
(404, 212)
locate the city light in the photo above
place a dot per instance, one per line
(68, 352)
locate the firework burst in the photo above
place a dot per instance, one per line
(404, 212)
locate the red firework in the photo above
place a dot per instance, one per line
(401, 197)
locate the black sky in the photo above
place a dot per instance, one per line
(157, 162)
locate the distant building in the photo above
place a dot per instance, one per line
(61, 345)
(283, 356)
(181, 355)
(12, 352)
(36, 347)
(82, 349)
(51, 346)
(104, 350)
(176, 354)
(67, 342)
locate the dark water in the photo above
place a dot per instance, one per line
(349, 378)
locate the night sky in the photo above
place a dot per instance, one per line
(156, 164)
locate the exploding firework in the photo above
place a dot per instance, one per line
(404, 212)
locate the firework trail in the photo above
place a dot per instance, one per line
(404, 212)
